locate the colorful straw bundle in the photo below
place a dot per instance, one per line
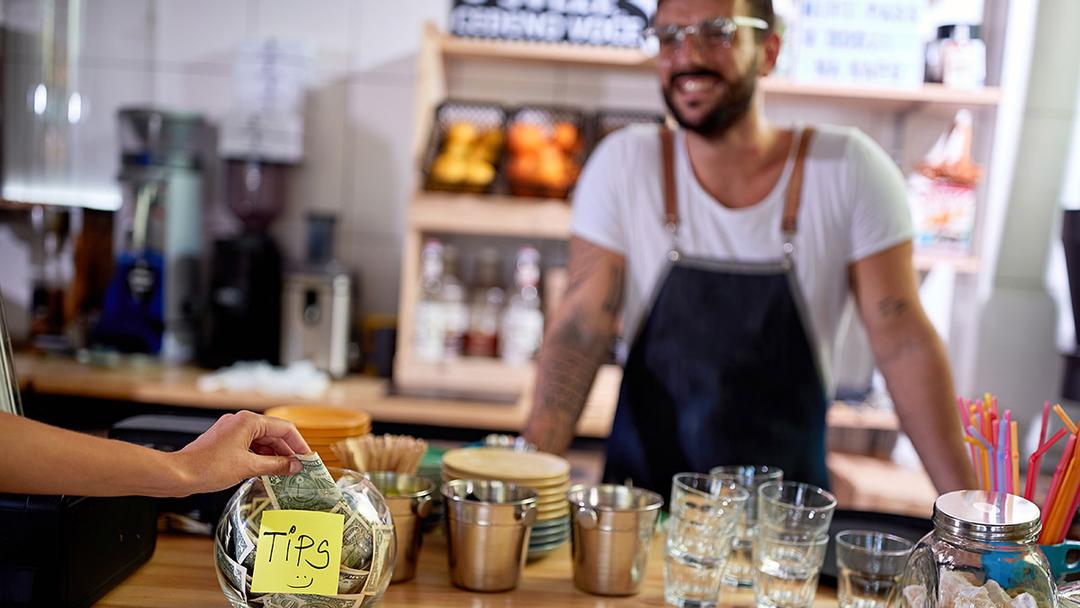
(995, 458)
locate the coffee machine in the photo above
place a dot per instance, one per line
(243, 317)
(151, 301)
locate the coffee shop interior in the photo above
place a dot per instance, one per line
(381, 221)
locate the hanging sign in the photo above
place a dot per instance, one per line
(595, 22)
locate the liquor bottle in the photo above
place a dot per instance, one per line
(522, 322)
(429, 330)
(486, 304)
(455, 310)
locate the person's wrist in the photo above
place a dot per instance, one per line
(179, 474)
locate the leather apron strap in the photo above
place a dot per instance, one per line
(792, 196)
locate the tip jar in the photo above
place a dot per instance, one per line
(365, 570)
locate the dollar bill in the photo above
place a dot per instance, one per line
(312, 489)
(288, 600)
(351, 581)
(254, 518)
(356, 540)
(235, 574)
(382, 539)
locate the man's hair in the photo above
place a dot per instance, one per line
(762, 9)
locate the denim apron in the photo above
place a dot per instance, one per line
(723, 370)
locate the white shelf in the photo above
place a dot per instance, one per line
(607, 57)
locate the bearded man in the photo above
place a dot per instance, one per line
(726, 252)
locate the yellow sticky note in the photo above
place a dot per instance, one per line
(299, 552)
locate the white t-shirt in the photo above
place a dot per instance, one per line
(854, 204)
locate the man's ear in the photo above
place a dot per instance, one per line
(770, 51)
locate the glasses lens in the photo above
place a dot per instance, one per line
(718, 32)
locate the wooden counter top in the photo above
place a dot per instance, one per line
(181, 574)
(153, 383)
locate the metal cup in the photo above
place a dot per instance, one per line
(409, 499)
(611, 535)
(487, 532)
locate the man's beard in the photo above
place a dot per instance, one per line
(729, 109)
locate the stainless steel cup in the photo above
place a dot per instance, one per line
(409, 499)
(487, 532)
(611, 535)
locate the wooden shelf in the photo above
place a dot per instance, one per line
(550, 219)
(542, 52)
(490, 215)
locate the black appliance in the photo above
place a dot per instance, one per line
(243, 312)
(65, 551)
(1070, 236)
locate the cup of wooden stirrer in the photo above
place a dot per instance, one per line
(397, 453)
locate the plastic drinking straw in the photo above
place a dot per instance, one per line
(1073, 506)
(988, 477)
(1055, 483)
(1014, 454)
(973, 446)
(1065, 418)
(1033, 463)
(1045, 421)
(1001, 429)
(1064, 498)
(965, 421)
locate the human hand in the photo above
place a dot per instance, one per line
(239, 446)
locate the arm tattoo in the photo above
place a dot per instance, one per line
(893, 307)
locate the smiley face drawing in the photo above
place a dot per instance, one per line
(310, 581)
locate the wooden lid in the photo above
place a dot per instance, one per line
(315, 418)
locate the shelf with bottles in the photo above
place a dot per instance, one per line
(474, 334)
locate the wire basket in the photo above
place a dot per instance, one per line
(606, 122)
(547, 146)
(484, 118)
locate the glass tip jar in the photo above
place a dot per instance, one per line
(982, 553)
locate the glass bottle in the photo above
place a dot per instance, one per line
(522, 325)
(429, 330)
(455, 310)
(488, 298)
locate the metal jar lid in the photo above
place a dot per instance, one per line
(987, 516)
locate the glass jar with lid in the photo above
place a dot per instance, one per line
(982, 553)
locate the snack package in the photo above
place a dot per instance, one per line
(942, 191)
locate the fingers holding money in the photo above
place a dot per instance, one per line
(275, 428)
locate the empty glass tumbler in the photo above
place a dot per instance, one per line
(868, 566)
(787, 568)
(705, 510)
(740, 566)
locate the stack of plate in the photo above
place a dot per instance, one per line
(323, 426)
(548, 474)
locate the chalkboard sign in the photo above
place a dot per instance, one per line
(596, 22)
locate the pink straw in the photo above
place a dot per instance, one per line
(1033, 463)
(1045, 422)
(1059, 471)
(965, 421)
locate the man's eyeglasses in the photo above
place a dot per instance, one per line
(718, 32)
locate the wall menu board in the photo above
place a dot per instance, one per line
(595, 22)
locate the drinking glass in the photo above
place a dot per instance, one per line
(795, 509)
(704, 512)
(869, 565)
(786, 568)
(740, 566)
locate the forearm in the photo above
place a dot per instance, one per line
(917, 372)
(571, 355)
(36, 458)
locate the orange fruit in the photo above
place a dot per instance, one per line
(524, 136)
(566, 135)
